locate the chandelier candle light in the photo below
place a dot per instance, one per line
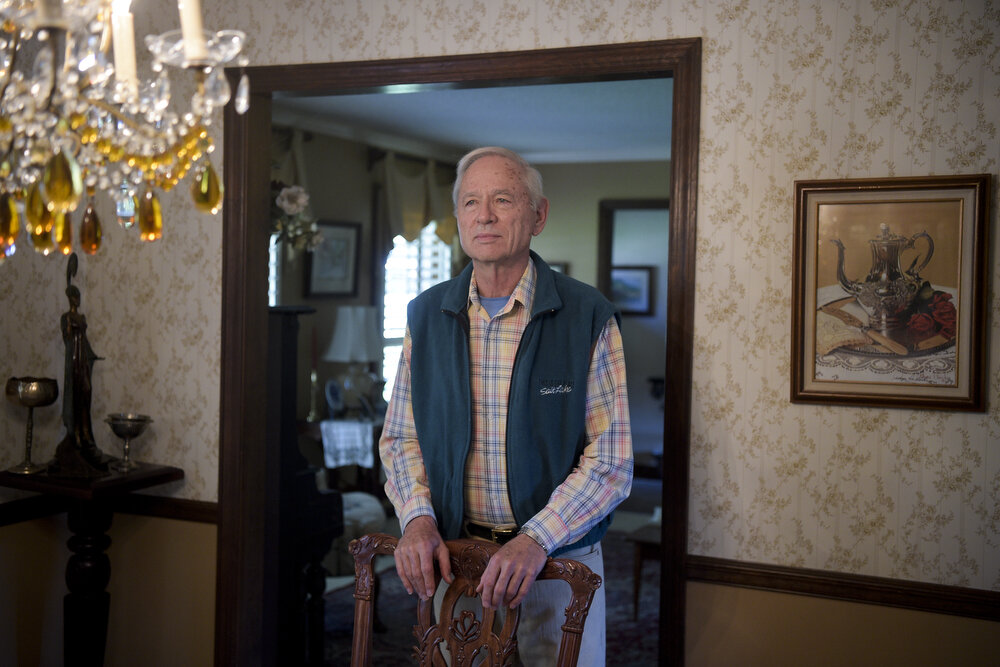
(67, 127)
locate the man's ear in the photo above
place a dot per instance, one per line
(541, 215)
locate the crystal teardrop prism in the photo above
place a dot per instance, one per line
(42, 74)
(90, 58)
(149, 217)
(242, 101)
(6, 59)
(125, 205)
(62, 233)
(61, 184)
(160, 92)
(217, 89)
(206, 191)
(90, 230)
(10, 225)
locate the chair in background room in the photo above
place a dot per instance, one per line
(465, 634)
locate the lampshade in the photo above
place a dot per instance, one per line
(355, 336)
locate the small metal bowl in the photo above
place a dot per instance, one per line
(32, 392)
(128, 425)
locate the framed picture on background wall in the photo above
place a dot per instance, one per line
(331, 269)
(632, 289)
(889, 291)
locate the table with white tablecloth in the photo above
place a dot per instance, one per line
(348, 442)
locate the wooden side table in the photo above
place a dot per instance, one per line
(90, 505)
(338, 459)
(646, 539)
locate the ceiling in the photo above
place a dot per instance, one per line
(600, 121)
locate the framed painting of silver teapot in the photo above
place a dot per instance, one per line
(889, 292)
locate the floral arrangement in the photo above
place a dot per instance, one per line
(290, 219)
(934, 315)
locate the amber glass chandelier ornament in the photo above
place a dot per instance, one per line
(10, 225)
(62, 233)
(41, 240)
(90, 227)
(75, 117)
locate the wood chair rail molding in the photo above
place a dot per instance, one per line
(935, 598)
(245, 558)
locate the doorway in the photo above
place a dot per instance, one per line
(244, 620)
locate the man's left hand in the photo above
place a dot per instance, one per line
(511, 572)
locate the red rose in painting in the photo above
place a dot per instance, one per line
(921, 323)
(943, 312)
(940, 298)
(936, 316)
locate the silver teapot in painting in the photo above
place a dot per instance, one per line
(888, 292)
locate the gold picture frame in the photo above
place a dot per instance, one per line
(889, 292)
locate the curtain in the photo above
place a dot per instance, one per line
(439, 205)
(288, 164)
(412, 197)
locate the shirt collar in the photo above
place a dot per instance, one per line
(524, 291)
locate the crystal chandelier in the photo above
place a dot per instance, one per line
(75, 121)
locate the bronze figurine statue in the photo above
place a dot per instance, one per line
(77, 455)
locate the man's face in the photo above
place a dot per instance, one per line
(495, 218)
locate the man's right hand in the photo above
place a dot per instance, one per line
(416, 553)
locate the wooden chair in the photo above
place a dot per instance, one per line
(464, 634)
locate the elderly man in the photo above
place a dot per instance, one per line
(509, 417)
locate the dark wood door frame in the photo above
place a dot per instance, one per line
(244, 631)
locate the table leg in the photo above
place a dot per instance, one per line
(636, 580)
(88, 571)
(315, 586)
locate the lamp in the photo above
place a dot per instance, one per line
(356, 341)
(68, 126)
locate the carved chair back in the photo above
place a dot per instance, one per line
(465, 635)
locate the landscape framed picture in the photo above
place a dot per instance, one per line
(889, 291)
(632, 289)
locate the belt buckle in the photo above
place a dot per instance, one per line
(502, 535)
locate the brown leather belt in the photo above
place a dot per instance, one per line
(498, 535)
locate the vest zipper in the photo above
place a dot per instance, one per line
(532, 322)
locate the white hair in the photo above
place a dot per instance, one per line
(530, 177)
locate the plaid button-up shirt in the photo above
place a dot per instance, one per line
(603, 476)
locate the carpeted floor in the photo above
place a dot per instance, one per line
(632, 643)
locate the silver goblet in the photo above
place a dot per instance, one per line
(32, 393)
(126, 426)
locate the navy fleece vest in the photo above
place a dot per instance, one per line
(547, 403)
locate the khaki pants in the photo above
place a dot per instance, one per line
(539, 632)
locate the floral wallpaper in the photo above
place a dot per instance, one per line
(790, 90)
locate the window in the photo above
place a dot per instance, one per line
(409, 270)
(273, 270)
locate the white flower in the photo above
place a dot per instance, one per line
(293, 199)
(293, 225)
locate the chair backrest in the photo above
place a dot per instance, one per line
(464, 634)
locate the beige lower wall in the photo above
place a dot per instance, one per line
(163, 609)
(162, 592)
(32, 584)
(729, 626)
